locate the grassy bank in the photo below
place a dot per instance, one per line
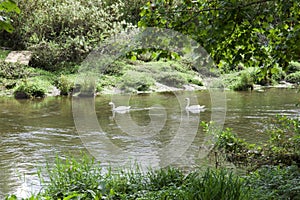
(123, 76)
(126, 76)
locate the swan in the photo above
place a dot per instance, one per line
(193, 107)
(119, 108)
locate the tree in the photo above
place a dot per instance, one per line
(6, 7)
(262, 33)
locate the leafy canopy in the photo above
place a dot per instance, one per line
(261, 33)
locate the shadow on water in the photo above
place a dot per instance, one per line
(155, 131)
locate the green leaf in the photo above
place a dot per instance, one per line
(9, 6)
(6, 26)
(133, 58)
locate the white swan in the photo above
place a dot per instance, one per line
(119, 108)
(193, 107)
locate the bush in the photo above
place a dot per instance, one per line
(245, 82)
(282, 147)
(65, 85)
(293, 77)
(13, 70)
(293, 67)
(277, 74)
(62, 32)
(30, 89)
(133, 80)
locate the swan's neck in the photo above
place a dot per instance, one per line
(113, 106)
(188, 103)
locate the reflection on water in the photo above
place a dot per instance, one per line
(156, 131)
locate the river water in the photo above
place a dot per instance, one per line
(156, 132)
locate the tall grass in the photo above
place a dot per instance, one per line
(85, 179)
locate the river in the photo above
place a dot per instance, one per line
(157, 131)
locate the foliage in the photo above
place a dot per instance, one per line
(13, 70)
(7, 6)
(3, 54)
(216, 184)
(30, 89)
(285, 135)
(245, 82)
(275, 182)
(84, 179)
(71, 177)
(12, 74)
(293, 77)
(137, 75)
(65, 84)
(133, 80)
(282, 147)
(170, 73)
(234, 31)
(131, 10)
(61, 33)
(293, 67)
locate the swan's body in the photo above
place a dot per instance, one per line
(193, 107)
(119, 108)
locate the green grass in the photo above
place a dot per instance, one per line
(133, 76)
(84, 179)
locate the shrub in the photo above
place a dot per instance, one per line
(245, 82)
(62, 32)
(293, 77)
(30, 89)
(13, 70)
(172, 79)
(65, 84)
(277, 74)
(293, 67)
(133, 80)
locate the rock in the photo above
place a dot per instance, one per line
(53, 91)
(21, 95)
(22, 57)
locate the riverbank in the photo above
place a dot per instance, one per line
(125, 76)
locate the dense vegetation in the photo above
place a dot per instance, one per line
(256, 41)
(254, 33)
(271, 171)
